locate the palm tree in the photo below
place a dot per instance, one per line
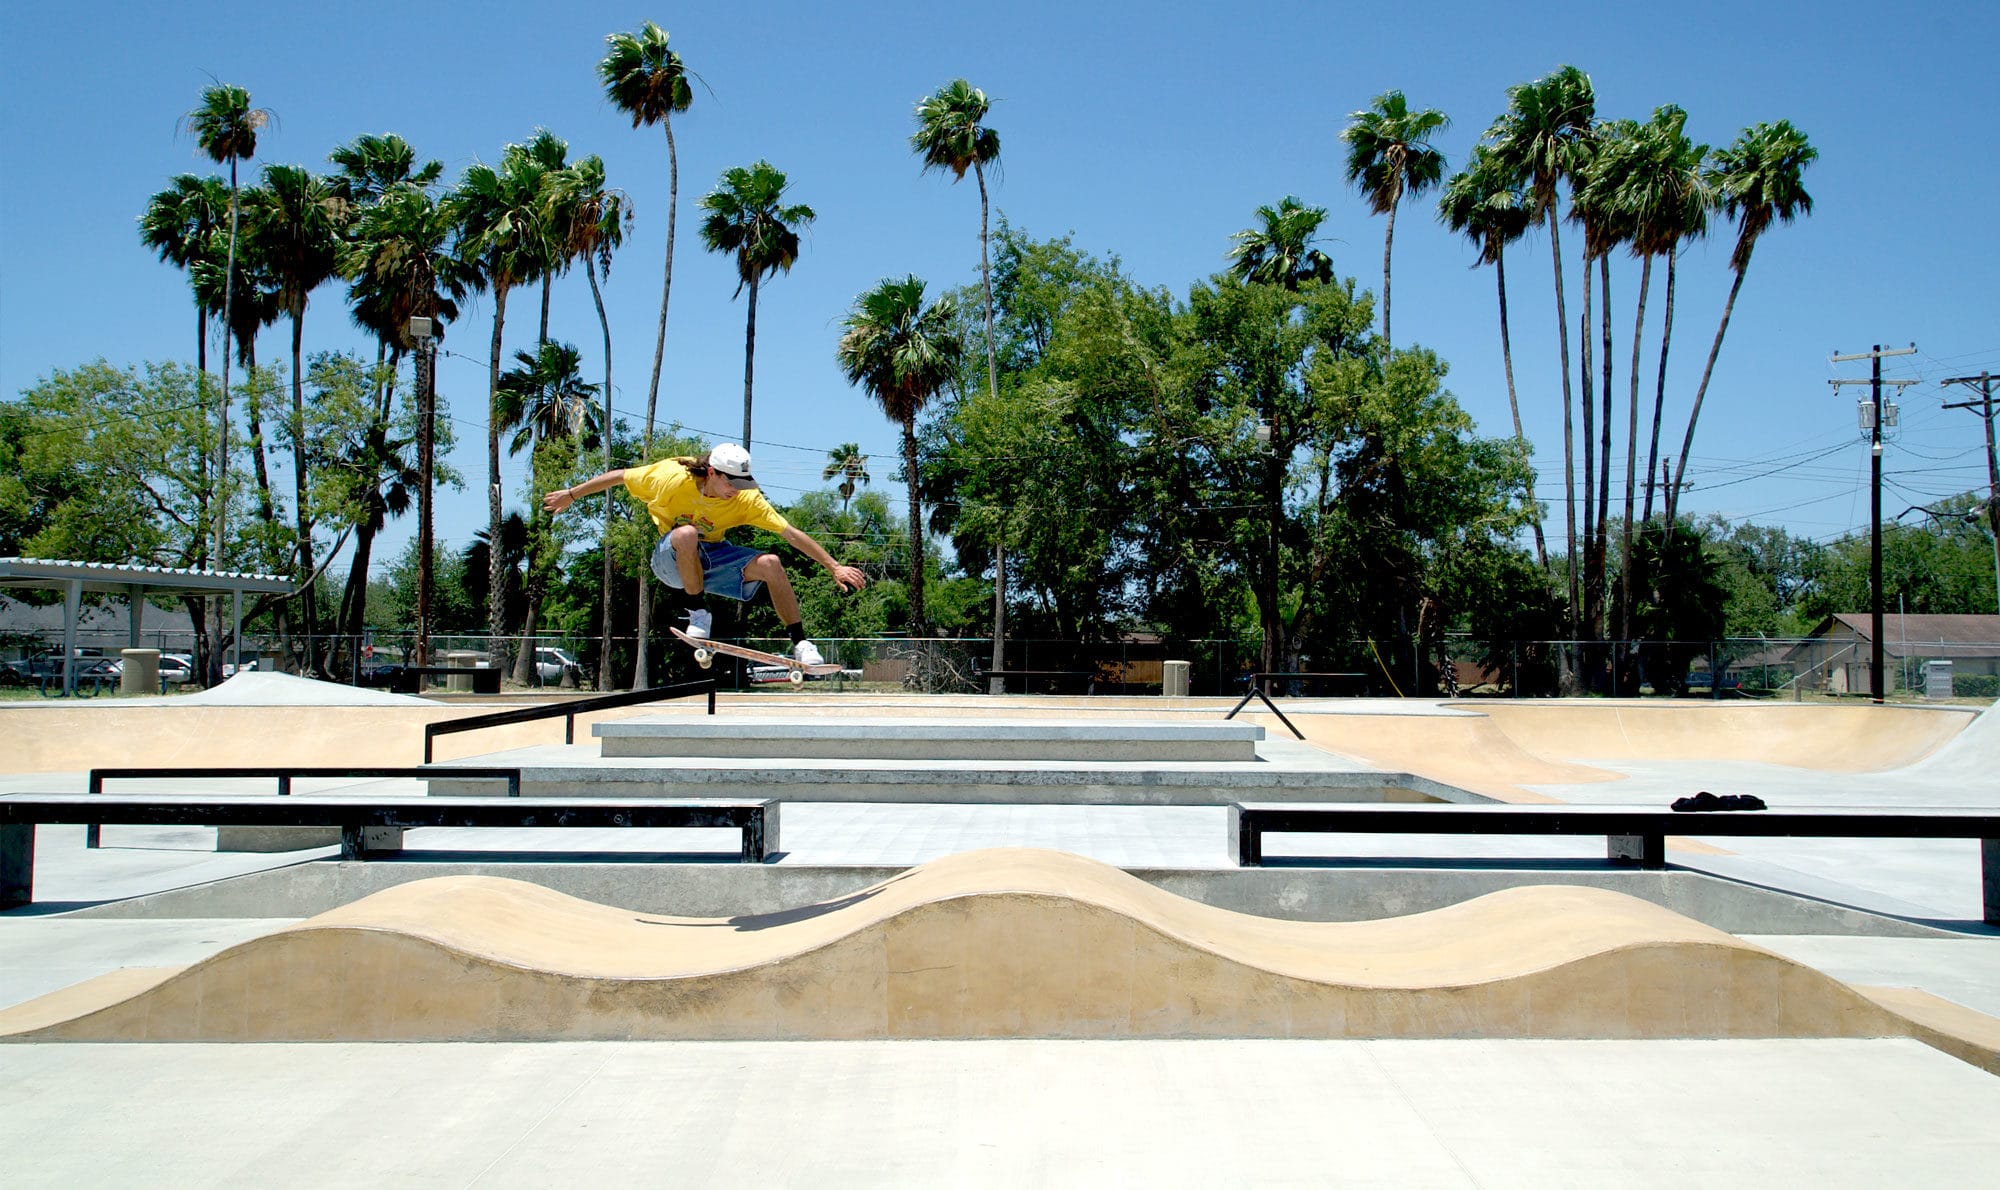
(178, 224)
(1666, 202)
(369, 165)
(298, 228)
(747, 216)
(1483, 204)
(649, 82)
(401, 262)
(903, 353)
(550, 153)
(592, 219)
(503, 236)
(1760, 181)
(1280, 252)
(1532, 141)
(846, 461)
(543, 397)
(250, 294)
(949, 136)
(225, 126)
(1597, 163)
(1389, 155)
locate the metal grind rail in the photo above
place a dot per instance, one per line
(568, 712)
(284, 774)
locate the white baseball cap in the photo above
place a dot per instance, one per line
(734, 462)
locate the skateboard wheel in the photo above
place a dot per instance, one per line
(704, 658)
(798, 677)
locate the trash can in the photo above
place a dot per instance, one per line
(1174, 678)
(1937, 679)
(141, 673)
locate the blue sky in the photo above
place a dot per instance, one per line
(1150, 131)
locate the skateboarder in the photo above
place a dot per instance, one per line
(692, 501)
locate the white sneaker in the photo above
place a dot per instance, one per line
(807, 653)
(700, 623)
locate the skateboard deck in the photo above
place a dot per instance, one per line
(705, 651)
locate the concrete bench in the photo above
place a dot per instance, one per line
(368, 826)
(1632, 835)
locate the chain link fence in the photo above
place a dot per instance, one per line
(1451, 666)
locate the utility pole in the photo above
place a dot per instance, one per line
(1985, 407)
(1871, 421)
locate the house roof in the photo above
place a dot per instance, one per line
(1920, 636)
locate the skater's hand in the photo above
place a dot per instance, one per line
(848, 578)
(557, 500)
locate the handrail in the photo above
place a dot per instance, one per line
(1257, 692)
(93, 833)
(569, 711)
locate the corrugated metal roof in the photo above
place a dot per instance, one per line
(119, 576)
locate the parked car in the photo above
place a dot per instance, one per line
(552, 664)
(175, 669)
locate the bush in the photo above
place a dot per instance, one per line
(1975, 685)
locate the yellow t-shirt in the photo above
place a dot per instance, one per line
(673, 498)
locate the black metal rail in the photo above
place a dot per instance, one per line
(570, 710)
(284, 775)
(1636, 836)
(357, 817)
(1257, 692)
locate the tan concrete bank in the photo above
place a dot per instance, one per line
(1490, 747)
(1004, 943)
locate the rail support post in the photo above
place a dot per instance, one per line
(17, 864)
(1989, 874)
(1647, 851)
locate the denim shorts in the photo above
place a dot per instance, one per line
(721, 568)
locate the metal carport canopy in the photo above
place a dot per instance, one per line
(135, 582)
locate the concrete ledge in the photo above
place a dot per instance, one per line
(883, 738)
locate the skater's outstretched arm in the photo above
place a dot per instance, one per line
(562, 498)
(848, 577)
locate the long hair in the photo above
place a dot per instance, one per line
(696, 466)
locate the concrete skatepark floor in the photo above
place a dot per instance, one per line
(1407, 1113)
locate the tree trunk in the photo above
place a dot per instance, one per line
(1587, 607)
(1514, 403)
(1388, 238)
(496, 593)
(1687, 443)
(604, 648)
(998, 685)
(1569, 410)
(640, 677)
(220, 559)
(300, 466)
(1600, 622)
(254, 418)
(548, 280)
(918, 625)
(1632, 460)
(1660, 393)
(749, 358)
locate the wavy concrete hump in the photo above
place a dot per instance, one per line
(1003, 943)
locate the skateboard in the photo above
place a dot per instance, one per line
(705, 651)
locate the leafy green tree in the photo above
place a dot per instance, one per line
(504, 237)
(178, 224)
(847, 461)
(749, 219)
(1279, 251)
(1680, 611)
(1760, 182)
(1486, 206)
(1389, 156)
(1533, 141)
(903, 352)
(226, 127)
